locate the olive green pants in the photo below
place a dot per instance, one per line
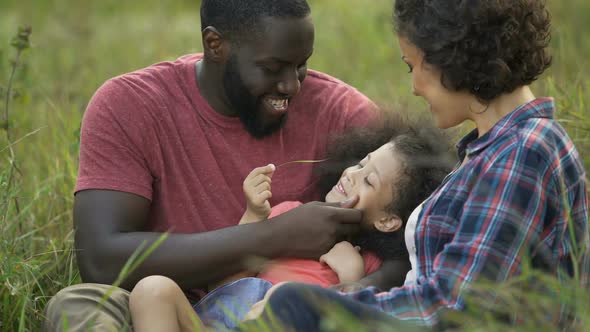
(81, 308)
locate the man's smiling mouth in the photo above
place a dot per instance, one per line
(277, 104)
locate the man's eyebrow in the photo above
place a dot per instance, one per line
(282, 61)
(274, 59)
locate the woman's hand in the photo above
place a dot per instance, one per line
(348, 287)
(346, 261)
(257, 190)
(258, 307)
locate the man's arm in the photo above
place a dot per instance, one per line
(110, 227)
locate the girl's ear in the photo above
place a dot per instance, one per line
(388, 224)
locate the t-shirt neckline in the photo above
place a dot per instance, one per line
(203, 107)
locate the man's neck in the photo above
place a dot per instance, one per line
(209, 78)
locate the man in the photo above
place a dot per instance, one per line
(166, 148)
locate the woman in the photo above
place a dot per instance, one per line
(518, 194)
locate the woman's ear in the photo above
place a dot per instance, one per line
(388, 224)
(215, 46)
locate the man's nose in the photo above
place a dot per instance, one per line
(289, 84)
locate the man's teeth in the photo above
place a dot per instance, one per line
(278, 103)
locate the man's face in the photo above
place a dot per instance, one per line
(265, 71)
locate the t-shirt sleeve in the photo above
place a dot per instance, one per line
(113, 142)
(372, 262)
(283, 207)
(360, 110)
(353, 108)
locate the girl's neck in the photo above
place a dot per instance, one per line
(500, 107)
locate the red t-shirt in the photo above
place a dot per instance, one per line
(308, 270)
(151, 133)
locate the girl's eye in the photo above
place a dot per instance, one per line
(367, 181)
(410, 68)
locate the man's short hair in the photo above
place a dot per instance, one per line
(237, 17)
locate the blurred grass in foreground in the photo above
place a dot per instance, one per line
(77, 45)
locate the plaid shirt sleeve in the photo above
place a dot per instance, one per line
(501, 218)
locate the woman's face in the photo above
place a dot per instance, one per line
(448, 108)
(372, 180)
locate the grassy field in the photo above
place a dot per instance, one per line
(77, 45)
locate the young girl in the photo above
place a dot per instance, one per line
(387, 183)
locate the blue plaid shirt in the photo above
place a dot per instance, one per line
(522, 188)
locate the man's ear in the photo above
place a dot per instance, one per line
(215, 46)
(388, 224)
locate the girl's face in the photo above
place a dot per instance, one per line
(448, 108)
(372, 180)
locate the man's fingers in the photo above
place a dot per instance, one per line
(349, 216)
(347, 204)
(345, 230)
(350, 203)
(343, 215)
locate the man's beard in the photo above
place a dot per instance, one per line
(247, 105)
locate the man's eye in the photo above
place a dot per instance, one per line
(271, 69)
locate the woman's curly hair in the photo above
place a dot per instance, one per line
(484, 47)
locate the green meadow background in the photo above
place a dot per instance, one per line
(77, 45)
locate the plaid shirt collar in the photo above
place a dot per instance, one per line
(538, 108)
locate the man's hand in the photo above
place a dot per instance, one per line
(346, 261)
(257, 190)
(312, 229)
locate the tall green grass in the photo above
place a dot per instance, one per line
(77, 45)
